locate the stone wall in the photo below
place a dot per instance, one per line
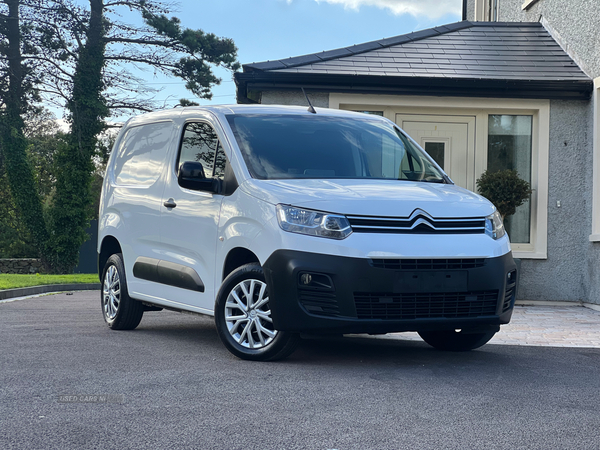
(20, 266)
(566, 275)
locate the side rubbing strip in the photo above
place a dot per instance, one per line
(165, 272)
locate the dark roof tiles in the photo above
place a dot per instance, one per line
(524, 51)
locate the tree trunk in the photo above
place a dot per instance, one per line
(14, 144)
(71, 210)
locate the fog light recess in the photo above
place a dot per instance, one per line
(316, 281)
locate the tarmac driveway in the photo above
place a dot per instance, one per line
(67, 381)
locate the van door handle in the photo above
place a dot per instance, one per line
(170, 203)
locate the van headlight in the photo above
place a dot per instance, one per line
(313, 223)
(494, 227)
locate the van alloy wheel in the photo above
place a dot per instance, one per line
(120, 311)
(111, 292)
(243, 317)
(248, 315)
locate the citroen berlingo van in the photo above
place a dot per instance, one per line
(281, 220)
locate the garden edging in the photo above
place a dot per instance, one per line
(47, 288)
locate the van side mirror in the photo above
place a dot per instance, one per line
(191, 176)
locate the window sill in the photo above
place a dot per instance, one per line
(529, 255)
(594, 237)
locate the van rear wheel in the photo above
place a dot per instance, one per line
(456, 341)
(243, 318)
(120, 311)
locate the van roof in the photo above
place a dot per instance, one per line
(239, 109)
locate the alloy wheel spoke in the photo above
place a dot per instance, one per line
(239, 301)
(249, 334)
(262, 302)
(265, 315)
(247, 294)
(236, 325)
(244, 333)
(264, 330)
(235, 318)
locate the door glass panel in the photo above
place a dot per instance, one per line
(436, 151)
(199, 144)
(509, 147)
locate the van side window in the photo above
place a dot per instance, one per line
(141, 154)
(200, 143)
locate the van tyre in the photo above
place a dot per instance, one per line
(456, 341)
(243, 318)
(120, 311)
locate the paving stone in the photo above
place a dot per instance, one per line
(543, 326)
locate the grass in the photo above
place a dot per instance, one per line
(10, 281)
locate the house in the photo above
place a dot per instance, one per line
(514, 85)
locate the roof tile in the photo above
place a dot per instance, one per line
(461, 50)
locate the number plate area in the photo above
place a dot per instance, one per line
(431, 282)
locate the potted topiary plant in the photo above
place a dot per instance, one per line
(504, 189)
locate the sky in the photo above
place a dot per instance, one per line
(276, 29)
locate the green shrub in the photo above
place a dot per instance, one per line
(504, 189)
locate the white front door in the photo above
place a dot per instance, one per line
(190, 219)
(449, 140)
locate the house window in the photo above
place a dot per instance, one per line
(509, 147)
(437, 151)
(510, 133)
(494, 11)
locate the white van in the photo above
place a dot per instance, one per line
(280, 221)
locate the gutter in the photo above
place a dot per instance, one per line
(563, 89)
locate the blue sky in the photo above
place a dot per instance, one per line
(276, 29)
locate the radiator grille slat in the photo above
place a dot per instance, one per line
(388, 306)
(419, 222)
(427, 264)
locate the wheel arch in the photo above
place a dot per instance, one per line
(110, 246)
(237, 257)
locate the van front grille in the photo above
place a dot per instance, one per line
(425, 305)
(419, 222)
(427, 264)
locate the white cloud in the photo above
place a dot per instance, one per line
(432, 9)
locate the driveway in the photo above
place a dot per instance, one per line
(67, 381)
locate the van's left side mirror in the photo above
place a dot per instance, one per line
(191, 176)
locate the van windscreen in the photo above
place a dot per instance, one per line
(295, 146)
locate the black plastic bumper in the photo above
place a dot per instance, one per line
(311, 292)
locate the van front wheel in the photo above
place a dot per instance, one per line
(243, 318)
(456, 341)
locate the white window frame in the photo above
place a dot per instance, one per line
(481, 108)
(528, 4)
(595, 236)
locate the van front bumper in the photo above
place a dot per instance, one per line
(311, 292)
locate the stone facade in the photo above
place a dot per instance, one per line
(20, 266)
(564, 275)
(572, 270)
